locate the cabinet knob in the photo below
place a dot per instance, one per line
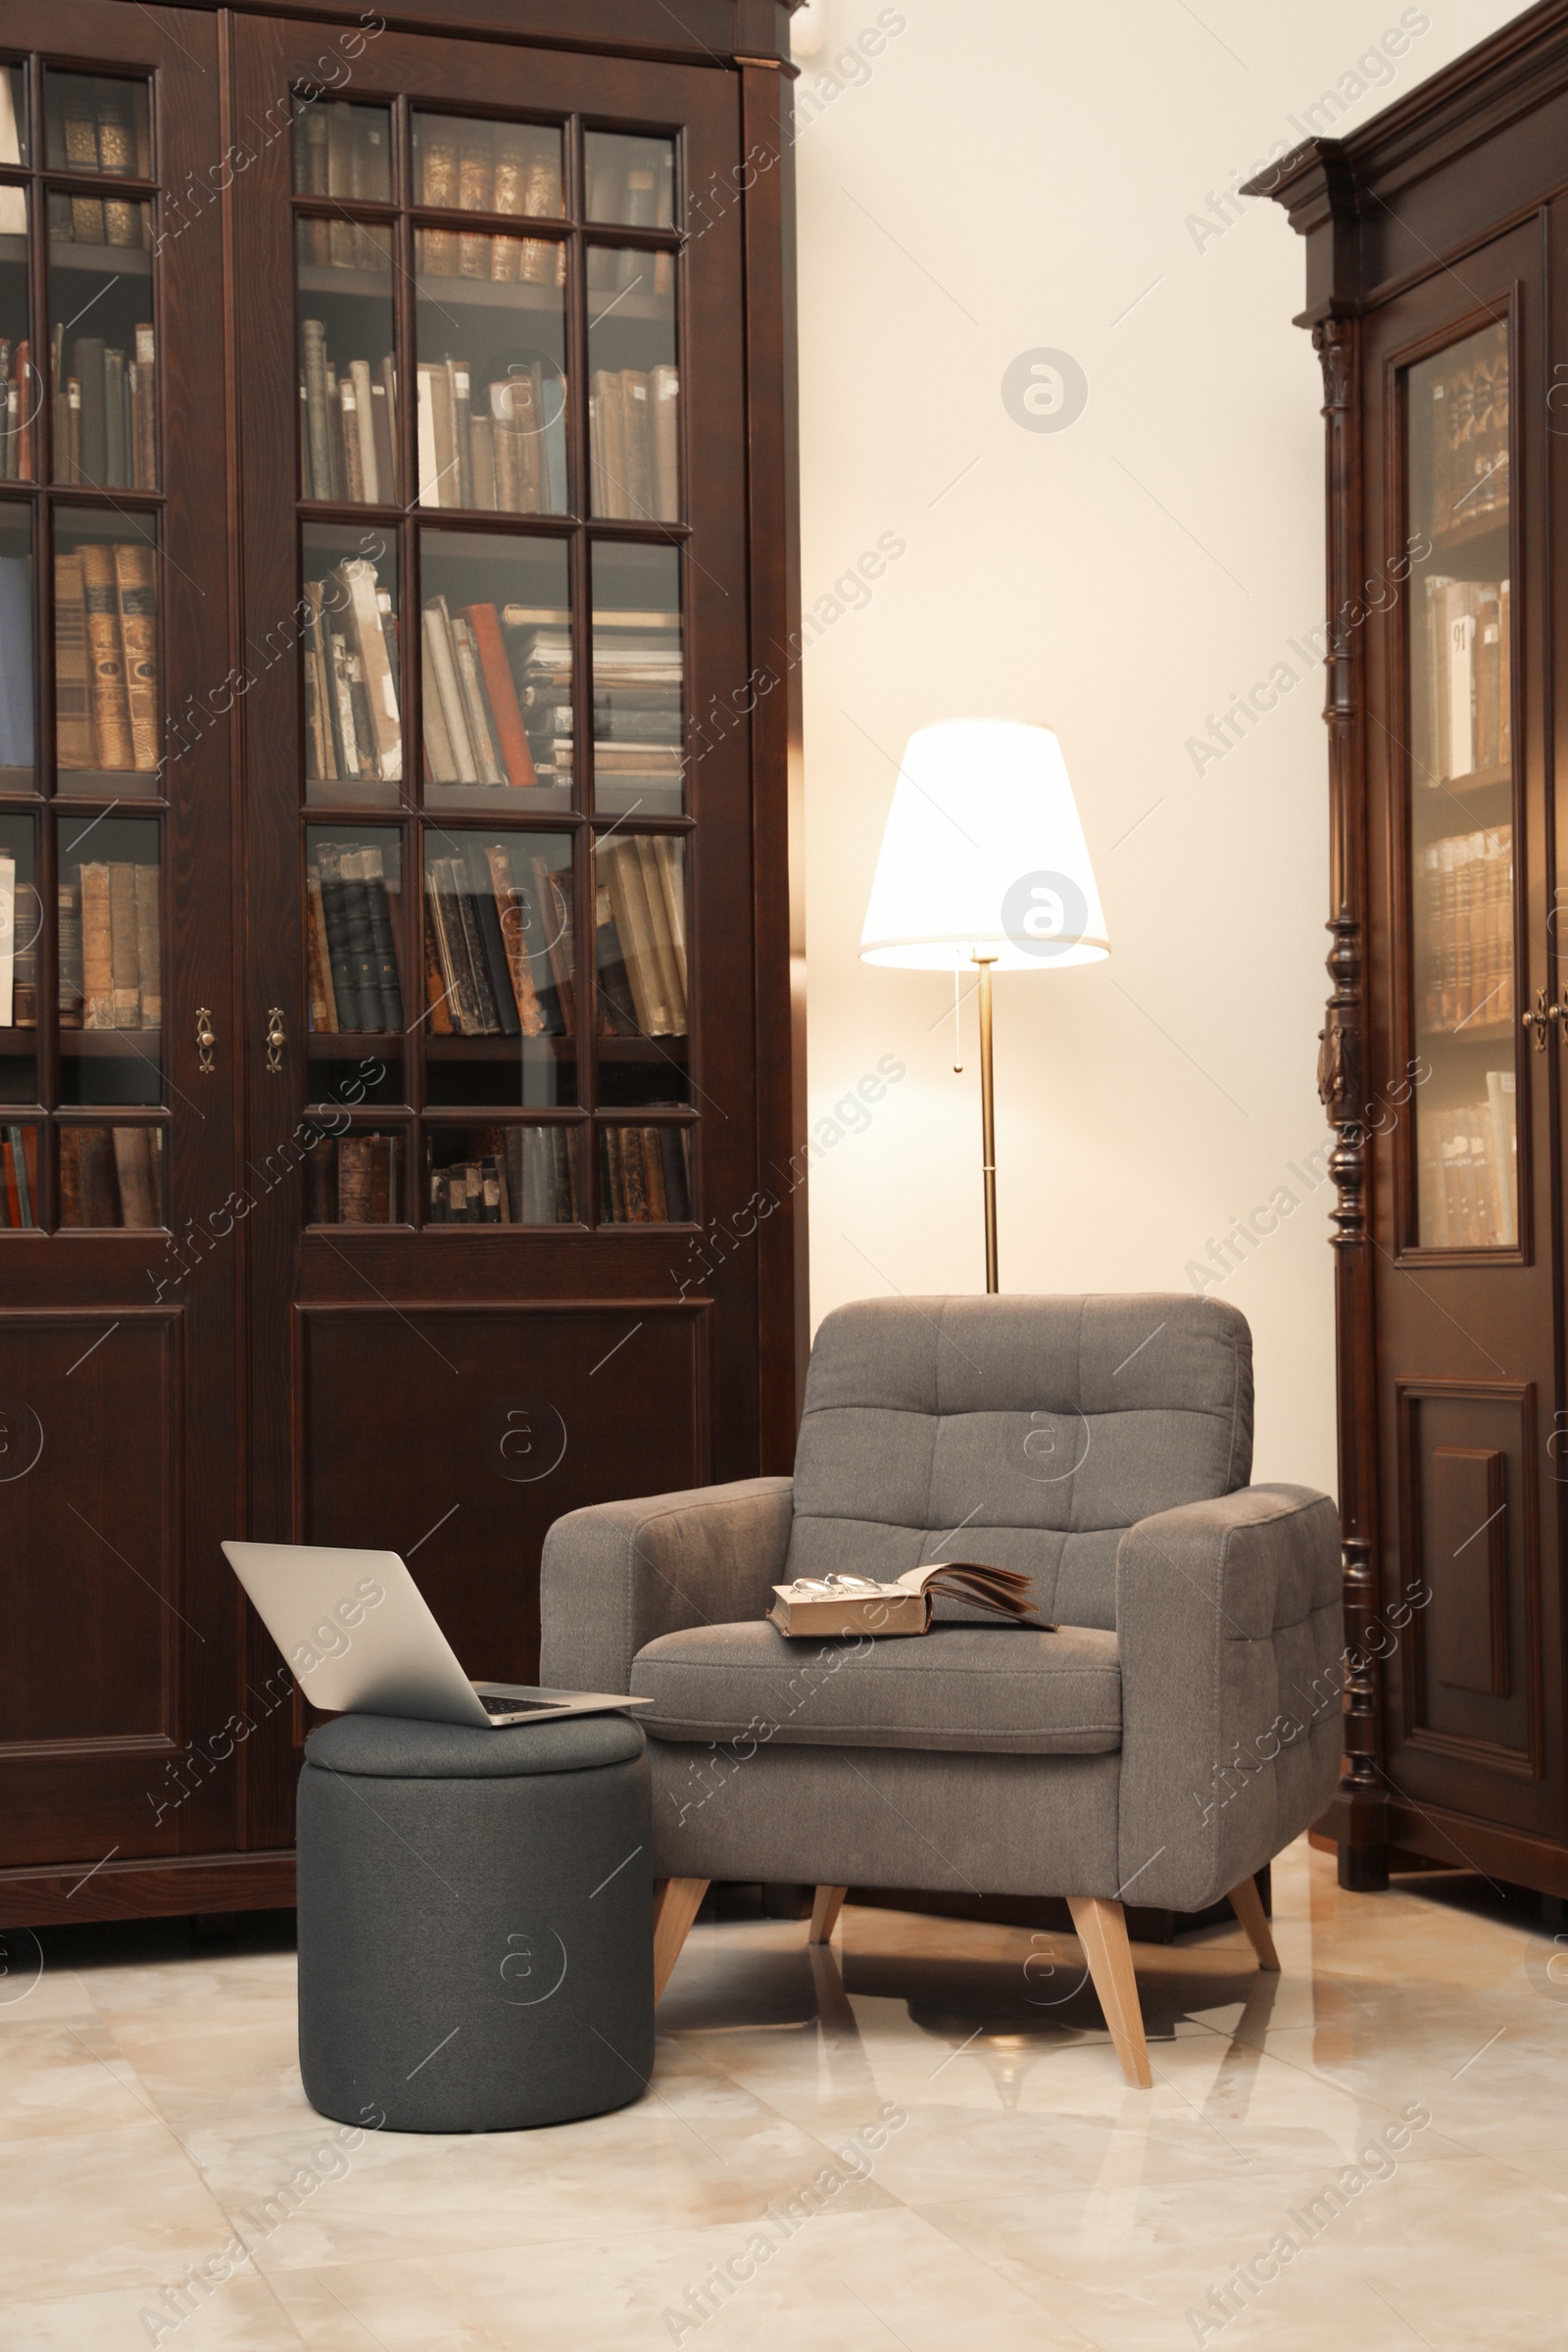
(276, 1039)
(206, 1040)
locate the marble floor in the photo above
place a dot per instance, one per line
(1016, 2194)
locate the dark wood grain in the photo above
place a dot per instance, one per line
(1437, 217)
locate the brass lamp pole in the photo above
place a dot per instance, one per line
(988, 1121)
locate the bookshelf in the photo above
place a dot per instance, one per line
(397, 1039)
(1443, 1057)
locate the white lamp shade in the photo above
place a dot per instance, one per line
(983, 856)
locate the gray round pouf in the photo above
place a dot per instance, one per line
(475, 1931)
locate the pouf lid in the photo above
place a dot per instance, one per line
(397, 1747)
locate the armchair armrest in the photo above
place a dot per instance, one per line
(618, 1574)
(1230, 1629)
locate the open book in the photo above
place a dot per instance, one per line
(857, 1605)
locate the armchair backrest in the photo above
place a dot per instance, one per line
(1024, 1432)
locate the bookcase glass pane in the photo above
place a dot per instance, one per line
(348, 379)
(494, 625)
(107, 719)
(13, 145)
(491, 384)
(21, 923)
(355, 1178)
(349, 654)
(19, 398)
(1459, 652)
(96, 122)
(498, 964)
(640, 916)
(111, 1176)
(639, 696)
(343, 150)
(356, 981)
(511, 1175)
(462, 163)
(18, 1178)
(108, 955)
(18, 730)
(102, 344)
(633, 389)
(630, 179)
(644, 1174)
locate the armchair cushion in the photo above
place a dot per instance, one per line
(974, 1689)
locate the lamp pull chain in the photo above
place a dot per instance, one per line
(958, 1026)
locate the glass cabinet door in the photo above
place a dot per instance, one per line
(492, 697)
(1460, 635)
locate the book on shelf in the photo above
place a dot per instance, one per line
(1469, 1172)
(18, 400)
(68, 955)
(348, 424)
(96, 125)
(1465, 927)
(643, 876)
(13, 201)
(514, 1175)
(353, 720)
(111, 1176)
(474, 167)
(816, 1607)
(489, 972)
(121, 981)
(638, 713)
(353, 1180)
(18, 1178)
(106, 658)
(21, 916)
(341, 151)
(644, 1175)
(631, 184)
(474, 724)
(634, 444)
(1470, 442)
(1466, 715)
(500, 447)
(354, 973)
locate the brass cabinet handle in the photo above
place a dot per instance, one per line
(206, 1040)
(1539, 1021)
(276, 1039)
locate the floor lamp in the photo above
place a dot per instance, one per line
(984, 863)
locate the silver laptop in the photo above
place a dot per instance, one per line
(360, 1639)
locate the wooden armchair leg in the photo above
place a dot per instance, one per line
(1101, 1930)
(825, 1909)
(677, 1903)
(1247, 1906)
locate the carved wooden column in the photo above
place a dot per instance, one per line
(1359, 1813)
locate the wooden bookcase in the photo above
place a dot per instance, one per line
(1437, 250)
(400, 1073)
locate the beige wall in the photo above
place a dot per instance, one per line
(999, 179)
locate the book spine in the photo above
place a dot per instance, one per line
(111, 702)
(384, 939)
(440, 660)
(497, 972)
(502, 694)
(487, 1018)
(149, 946)
(340, 958)
(352, 462)
(136, 595)
(317, 971)
(125, 967)
(512, 911)
(313, 335)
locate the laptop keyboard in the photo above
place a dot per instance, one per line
(494, 1704)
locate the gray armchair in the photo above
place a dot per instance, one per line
(1162, 1746)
